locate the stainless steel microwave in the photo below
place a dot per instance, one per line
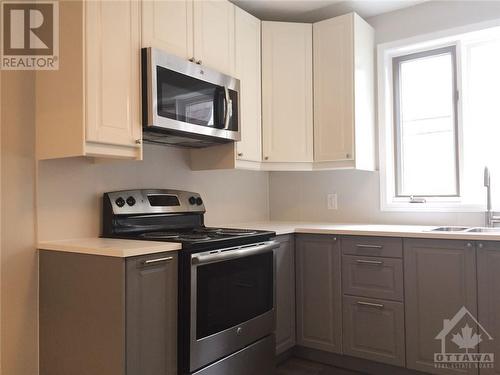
(186, 104)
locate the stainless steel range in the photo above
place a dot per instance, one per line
(226, 278)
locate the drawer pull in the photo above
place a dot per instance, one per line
(375, 262)
(369, 246)
(153, 261)
(368, 304)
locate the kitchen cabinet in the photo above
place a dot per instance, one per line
(107, 315)
(488, 280)
(374, 329)
(151, 308)
(168, 25)
(344, 119)
(287, 92)
(91, 105)
(285, 293)
(319, 300)
(201, 31)
(440, 278)
(247, 153)
(213, 34)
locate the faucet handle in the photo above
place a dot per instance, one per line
(486, 177)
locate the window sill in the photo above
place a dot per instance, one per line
(443, 207)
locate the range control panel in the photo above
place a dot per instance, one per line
(150, 201)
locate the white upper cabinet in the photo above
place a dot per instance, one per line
(168, 25)
(113, 80)
(91, 105)
(344, 118)
(287, 92)
(247, 70)
(201, 31)
(214, 34)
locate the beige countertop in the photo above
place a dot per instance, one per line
(408, 231)
(109, 246)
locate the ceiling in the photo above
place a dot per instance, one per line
(316, 10)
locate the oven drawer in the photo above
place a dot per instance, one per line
(255, 359)
(372, 277)
(373, 246)
(374, 330)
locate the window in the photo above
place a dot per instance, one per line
(425, 116)
(439, 120)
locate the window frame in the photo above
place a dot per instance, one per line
(396, 107)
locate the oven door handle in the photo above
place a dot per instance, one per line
(233, 253)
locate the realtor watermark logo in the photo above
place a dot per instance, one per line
(30, 35)
(459, 343)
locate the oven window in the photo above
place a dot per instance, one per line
(188, 99)
(232, 292)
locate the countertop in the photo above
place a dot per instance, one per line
(407, 231)
(109, 246)
(129, 248)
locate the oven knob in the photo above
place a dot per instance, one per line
(192, 200)
(199, 201)
(120, 202)
(130, 201)
(238, 331)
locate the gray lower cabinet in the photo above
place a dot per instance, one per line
(285, 293)
(440, 279)
(319, 305)
(374, 330)
(104, 315)
(488, 278)
(151, 305)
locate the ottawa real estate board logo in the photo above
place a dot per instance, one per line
(460, 338)
(30, 35)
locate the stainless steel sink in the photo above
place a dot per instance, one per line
(450, 229)
(483, 230)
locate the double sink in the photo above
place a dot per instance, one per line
(466, 229)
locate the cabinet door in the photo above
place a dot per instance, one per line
(151, 303)
(488, 279)
(113, 72)
(374, 330)
(168, 25)
(214, 34)
(334, 89)
(287, 100)
(285, 294)
(319, 309)
(440, 279)
(247, 46)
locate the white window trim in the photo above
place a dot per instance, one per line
(385, 53)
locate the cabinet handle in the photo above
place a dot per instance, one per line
(158, 260)
(369, 246)
(266, 157)
(138, 141)
(377, 262)
(240, 153)
(368, 304)
(191, 59)
(480, 245)
(469, 244)
(335, 238)
(199, 62)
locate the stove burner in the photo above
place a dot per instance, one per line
(161, 235)
(194, 237)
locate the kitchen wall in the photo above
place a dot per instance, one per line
(70, 190)
(18, 262)
(302, 195)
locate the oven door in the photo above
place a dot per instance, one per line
(232, 300)
(189, 98)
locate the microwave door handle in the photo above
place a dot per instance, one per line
(229, 108)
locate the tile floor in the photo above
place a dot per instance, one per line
(295, 366)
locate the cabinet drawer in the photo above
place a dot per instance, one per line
(372, 277)
(374, 330)
(373, 246)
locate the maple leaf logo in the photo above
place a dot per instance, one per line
(466, 340)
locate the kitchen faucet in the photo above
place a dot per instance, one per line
(490, 218)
